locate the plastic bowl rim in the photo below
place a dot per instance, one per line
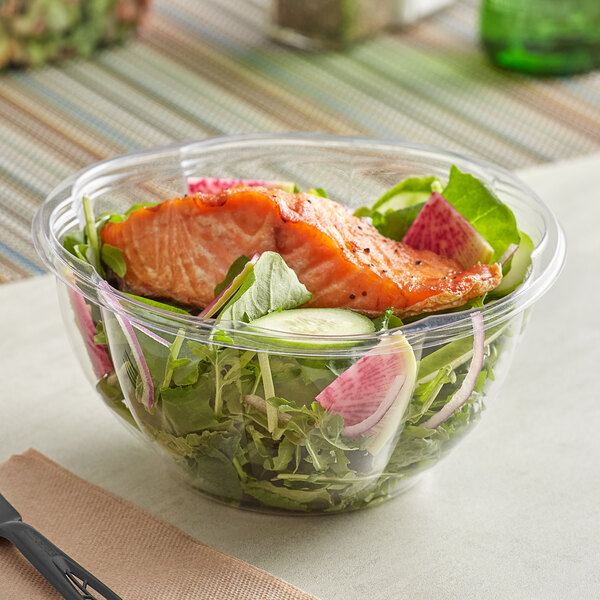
(452, 326)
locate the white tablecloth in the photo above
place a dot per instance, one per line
(513, 512)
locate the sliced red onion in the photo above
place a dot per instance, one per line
(147, 398)
(230, 290)
(468, 384)
(361, 428)
(99, 358)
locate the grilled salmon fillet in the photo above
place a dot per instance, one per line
(183, 247)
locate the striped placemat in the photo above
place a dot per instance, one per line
(206, 67)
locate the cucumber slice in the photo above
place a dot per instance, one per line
(519, 264)
(317, 322)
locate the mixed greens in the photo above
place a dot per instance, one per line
(250, 426)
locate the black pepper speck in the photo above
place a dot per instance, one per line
(352, 296)
(364, 293)
(418, 262)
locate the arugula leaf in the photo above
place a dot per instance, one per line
(87, 244)
(234, 270)
(271, 286)
(395, 224)
(113, 257)
(73, 239)
(387, 320)
(491, 217)
(81, 252)
(187, 409)
(210, 457)
(303, 500)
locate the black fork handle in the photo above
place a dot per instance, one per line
(58, 568)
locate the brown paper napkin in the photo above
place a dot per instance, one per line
(137, 555)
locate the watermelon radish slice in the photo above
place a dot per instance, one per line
(372, 395)
(439, 227)
(468, 385)
(83, 318)
(211, 185)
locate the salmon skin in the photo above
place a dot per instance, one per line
(183, 247)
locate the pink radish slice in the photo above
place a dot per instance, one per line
(468, 384)
(363, 426)
(230, 290)
(137, 354)
(211, 185)
(83, 317)
(372, 395)
(439, 227)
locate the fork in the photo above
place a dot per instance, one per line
(69, 578)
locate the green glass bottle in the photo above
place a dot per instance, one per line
(542, 37)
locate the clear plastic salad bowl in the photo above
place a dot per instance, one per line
(234, 408)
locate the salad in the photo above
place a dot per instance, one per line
(291, 396)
